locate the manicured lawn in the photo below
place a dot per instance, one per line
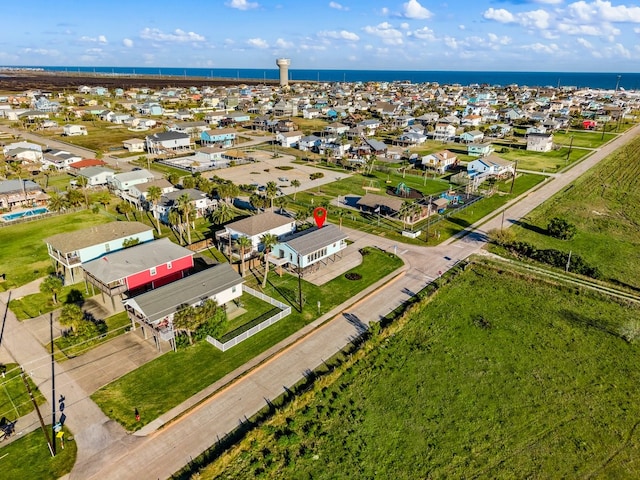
(189, 370)
(36, 304)
(23, 252)
(14, 398)
(29, 459)
(603, 204)
(533, 381)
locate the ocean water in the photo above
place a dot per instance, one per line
(608, 81)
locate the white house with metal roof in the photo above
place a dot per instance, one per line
(310, 247)
(156, 309)
(122, 182)
(256, 226)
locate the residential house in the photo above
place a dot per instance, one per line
(309, 142)
(540, 142)
(479, 149)
(225, 137)
(440, 161)
(138, 268)
(122, 182)
(383, 205)
(70, 249)
(168, 142)
(490, 166)
(76, 167)
(139, 192)
(21, 193)
(193, 129)
(289, 139)
(471, 120)
(73, 130)
(536, 129)
(310, 248)
(444, 132)
(256, 226)
(58, 159)
(473, 136)
(370, 126)
(199, 199)
(134, 145)
(155, 310)
(411, 138)
(336, 128)
(96, 176)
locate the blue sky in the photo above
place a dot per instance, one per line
(524, 35)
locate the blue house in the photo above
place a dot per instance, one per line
(479, 149)
(69, 250)
(220, 136)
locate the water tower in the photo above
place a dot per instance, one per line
(283, 64)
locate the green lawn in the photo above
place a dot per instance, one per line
(548, 162)
(603, 204)
(14, 398)
(530, 381)
(167, 381)
(587, 139)
(23, 253)
(28, 458)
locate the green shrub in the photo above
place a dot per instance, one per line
(560, 228)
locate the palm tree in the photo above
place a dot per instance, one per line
(124, 208)
(71, 316)
(268, 240)
(244, 243)
(271, 191)
(222, 214)
(52, 285)
(82, 181)
(186, 319)
(186, 208)
(340, 213)
(281, 202)
(295, 183)
(405, 211)
(175, 220)
(154, 194)
(57, 202)
(74, 197)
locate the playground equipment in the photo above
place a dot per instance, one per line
(453, 197)
(402, 190)
(372, 186)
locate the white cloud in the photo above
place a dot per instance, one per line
(177, 35)
(495, 39)
(413, 9)
(542, 48)
(404, 26)
(499, 15)
(281, 43)
(41, 51)
(536, 18)
(384, 12)
(341, 35)
(600, 10)
(337, 6)
(242, 4)
(549, 2)
(424, 33)
(258, 43)
(585, 43)
(604, 30)
(127, 42)
(99, 39)
(386, 33)
(462, 27)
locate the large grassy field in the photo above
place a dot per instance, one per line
(530, 381)
(604, 205)
(548, 162)
(169, 380)
(23, 253)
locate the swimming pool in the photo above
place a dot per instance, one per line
(25, 213)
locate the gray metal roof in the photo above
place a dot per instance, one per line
(13, 186)
(260, 223)
(123, 263)
(313, 239)
(169, 135)
(72, 241)
(163, 301)
(133, 175)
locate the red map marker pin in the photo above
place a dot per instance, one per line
(320, 215)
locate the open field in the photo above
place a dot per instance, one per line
(23, 252)
(552, 161)
(584, 139)
(169, 380)
(534, 381)
(603, 204)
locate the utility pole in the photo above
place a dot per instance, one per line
(35, 405)
(53, 387)
(299, 283)
(569, 152)
(513, 180)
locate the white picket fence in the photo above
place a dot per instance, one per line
(284, 311)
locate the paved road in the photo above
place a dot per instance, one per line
(106, 451)
(162, 454)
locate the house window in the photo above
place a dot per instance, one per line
(169, 265)
(107, 248)
(152, 271)
(233, 289)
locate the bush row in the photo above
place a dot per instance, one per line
(553, 257)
